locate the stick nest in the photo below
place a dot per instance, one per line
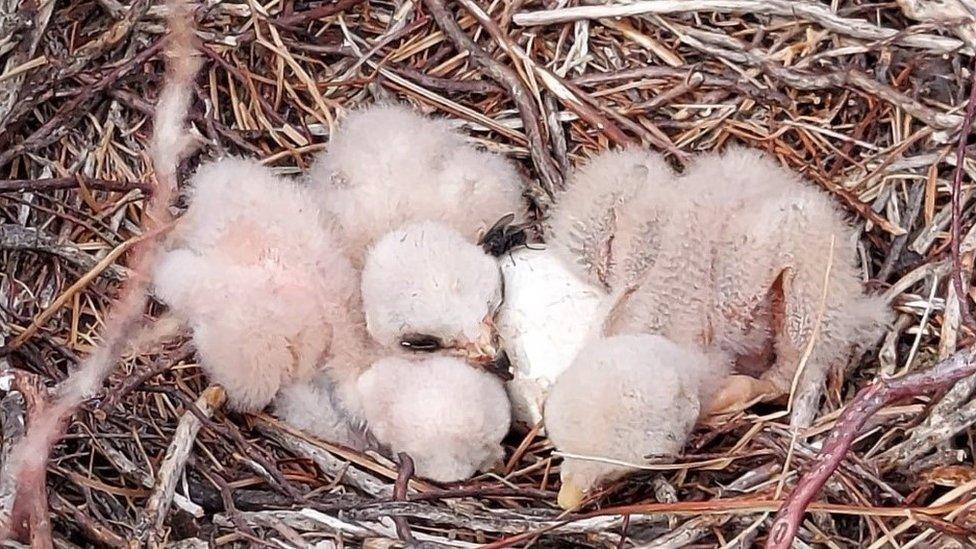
(858, 97)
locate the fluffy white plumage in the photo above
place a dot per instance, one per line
(625, 398)
(318, 407)
(392, 176)
(425, 278)
(449, 417)
(409, 198)
(388, 165)
(737, 258)
(758, 264)
(262, 283)
(595, 226)
(732, 254)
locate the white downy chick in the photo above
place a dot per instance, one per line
(263, 285)
(393, 178)
(623, 400)
(425, 288)
(388, 165)
(757, 264)
(789, 236)
(733, 264)
(732, 255)
(449, 417)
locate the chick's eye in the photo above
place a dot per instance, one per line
(421, 342)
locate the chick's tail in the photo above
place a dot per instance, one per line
(865, 318)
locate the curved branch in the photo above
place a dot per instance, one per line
(868, 401)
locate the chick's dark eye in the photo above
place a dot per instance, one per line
(421, 342)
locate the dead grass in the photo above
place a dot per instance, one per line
(868, 109)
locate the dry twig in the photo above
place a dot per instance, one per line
(547, 169)
(957, 270)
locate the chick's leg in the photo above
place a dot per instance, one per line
(785, 348)
(740, 391)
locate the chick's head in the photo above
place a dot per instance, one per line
(388, 165)
(449, 417)
(426, 288)
(624, 399)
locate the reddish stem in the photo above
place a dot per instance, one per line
(868, 401)
(967, 124)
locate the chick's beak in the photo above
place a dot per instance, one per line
(570, 495)
(485, 352)
(484, 349)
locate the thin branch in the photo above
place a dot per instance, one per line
(838, 443)
(809, 11)
(151, 522)
(404, 473)
(78, 181)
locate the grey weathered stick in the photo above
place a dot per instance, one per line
(58, 183)
(151, 522)
(311, 520)
(18, 237)
(808, 11)
(328, 462)
(13, 418)
(928, 435)
(732, 49)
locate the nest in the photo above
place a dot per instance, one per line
(865, 99)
